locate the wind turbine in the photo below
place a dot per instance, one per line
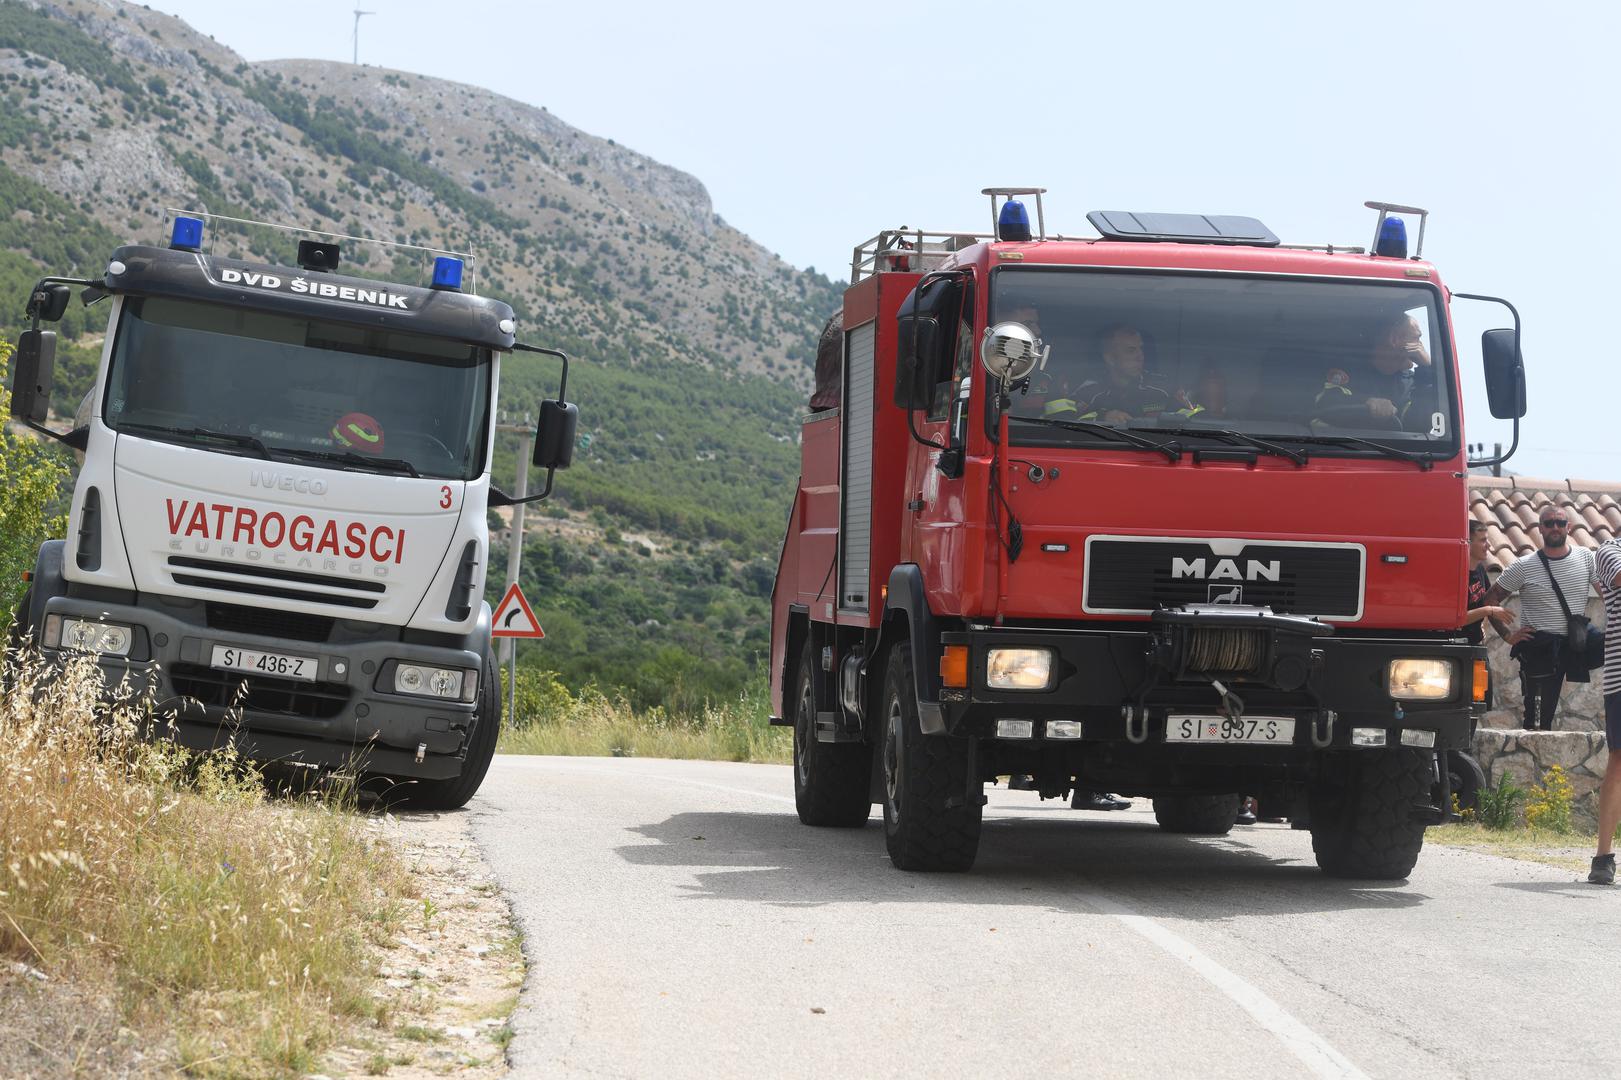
(358, 14)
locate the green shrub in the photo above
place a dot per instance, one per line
(1500, 806)
(30, 473)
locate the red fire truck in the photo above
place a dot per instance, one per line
(1176, 511)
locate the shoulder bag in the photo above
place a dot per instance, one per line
(1584, 645)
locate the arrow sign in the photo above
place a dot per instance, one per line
(515, 618)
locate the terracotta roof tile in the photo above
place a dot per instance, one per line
(1510, 512)
(1607, 487)
(1526, 483)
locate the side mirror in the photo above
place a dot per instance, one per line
(916, 362)
(34, 369)
(1505, 374)
(554, 434)
(49, 302)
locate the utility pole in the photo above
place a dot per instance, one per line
(358, 14)
(526, 448)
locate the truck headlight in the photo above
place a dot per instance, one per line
(421, 680)
(1019, 669)
(1420, 680)
(109, 639)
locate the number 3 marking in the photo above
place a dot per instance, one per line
(444, 497)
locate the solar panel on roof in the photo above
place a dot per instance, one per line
(1181, 228)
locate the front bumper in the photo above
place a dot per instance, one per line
(341, 720)
(1123, 683)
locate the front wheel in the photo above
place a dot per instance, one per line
(931, 818)
(1362, 813)
(453, 792)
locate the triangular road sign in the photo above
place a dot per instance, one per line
(515, 618)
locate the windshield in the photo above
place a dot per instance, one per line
(1329, 363)
(309, 390)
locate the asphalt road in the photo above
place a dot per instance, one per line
(680, 922)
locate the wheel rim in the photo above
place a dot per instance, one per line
(802, 736)
(892, 760)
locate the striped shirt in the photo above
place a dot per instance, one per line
(1539, 607)
(1609, 565)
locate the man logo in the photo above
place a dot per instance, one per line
(1223, 594)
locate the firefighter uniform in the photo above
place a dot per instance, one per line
(1148, 399)
(1343, 400)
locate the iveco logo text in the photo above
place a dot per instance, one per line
(283, 482)
(1226, 570)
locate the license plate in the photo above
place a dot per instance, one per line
(282, 666)
(1221, 729)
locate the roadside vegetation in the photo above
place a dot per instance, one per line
(1533, 823)
(229, 931)
(551, 719)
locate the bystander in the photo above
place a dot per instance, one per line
(1609, 795)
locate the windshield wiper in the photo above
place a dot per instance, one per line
(247, 442)
(1422, 458)
(1265, 447)
(1170, 448)
(362, 461)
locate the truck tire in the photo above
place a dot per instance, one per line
(1467, 779)
(1197, 815)
(930, 821)
(831, 780)
(452, 793)
(1362, 819)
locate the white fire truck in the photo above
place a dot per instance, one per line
(279, 529)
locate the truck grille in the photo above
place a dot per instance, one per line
(259, 693)
(268, 622)
(1130, 575)
(274, 582)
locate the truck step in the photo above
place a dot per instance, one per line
(830, 729)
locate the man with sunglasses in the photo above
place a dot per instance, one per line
(1539, 640)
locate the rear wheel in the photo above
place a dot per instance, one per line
(931, 818)
(1197, 815)
(831, 780)
(453, 792)
(1362, 813)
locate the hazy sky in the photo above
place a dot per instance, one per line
(816, 125)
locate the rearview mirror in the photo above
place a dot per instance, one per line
(49, 303)
(34, 368)
(1505, 374)
(917, 342)
(554, 434)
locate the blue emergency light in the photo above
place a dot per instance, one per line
(187, 235)
(447, 273)
(1013, 223)
(1392, 242)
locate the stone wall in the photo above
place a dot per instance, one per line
(1502, 745)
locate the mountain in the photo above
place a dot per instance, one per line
(693, 343)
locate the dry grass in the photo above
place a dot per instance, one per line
(589, 723)
(229, 930)
(1568, 851)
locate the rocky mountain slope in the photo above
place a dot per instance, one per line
(122, 110)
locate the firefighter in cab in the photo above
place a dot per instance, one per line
(1379, 393)
(1127, 391)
